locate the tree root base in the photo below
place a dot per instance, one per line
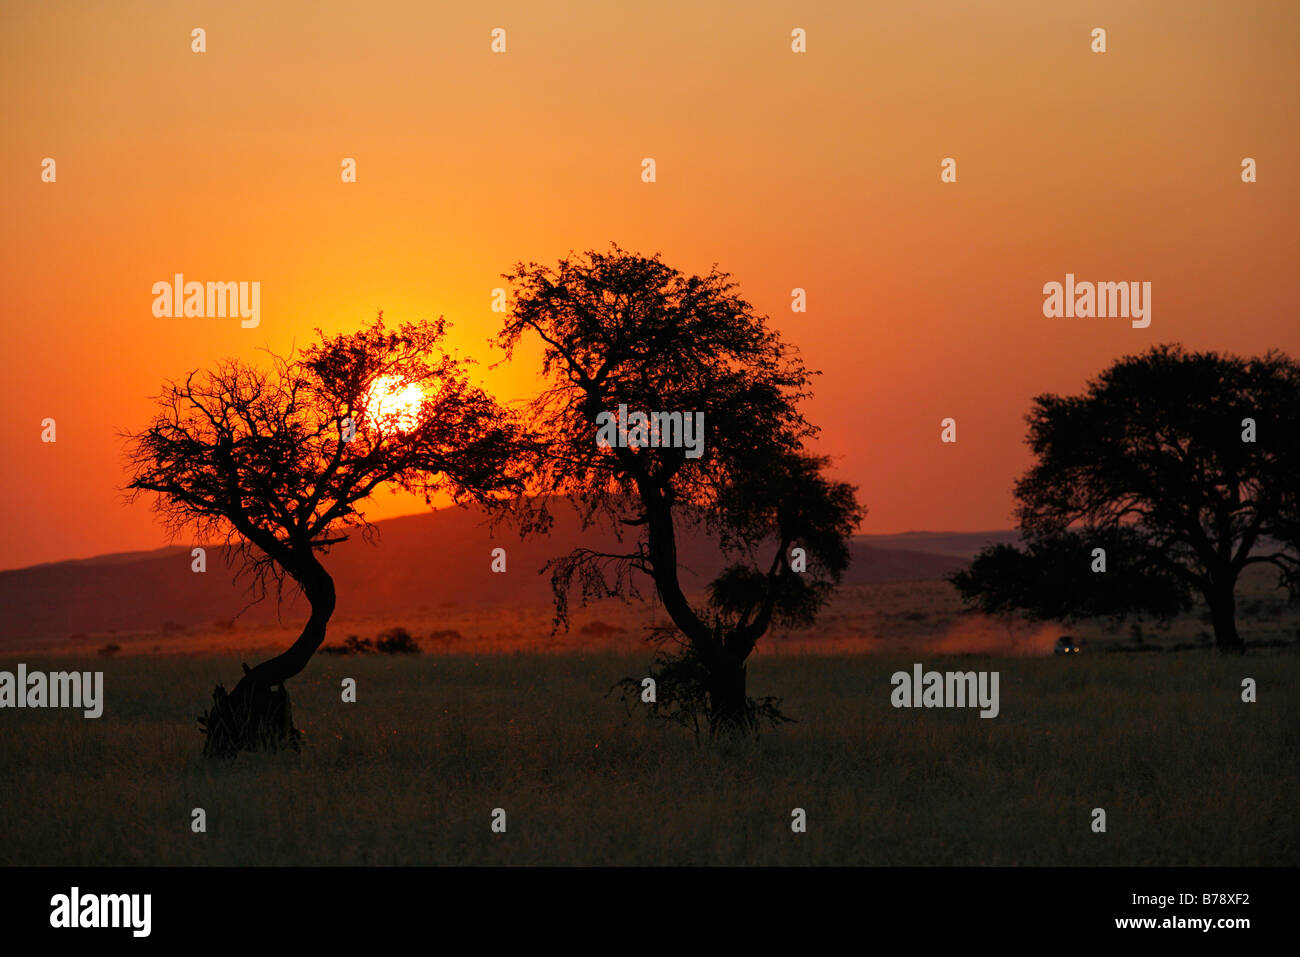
(253, 717)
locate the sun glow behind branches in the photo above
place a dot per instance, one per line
(394, 405)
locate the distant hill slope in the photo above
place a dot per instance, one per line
(416, 564)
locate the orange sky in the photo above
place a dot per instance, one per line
(818, 170)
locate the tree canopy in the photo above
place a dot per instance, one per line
(621, 332)
(277, 461)
(1184, 463)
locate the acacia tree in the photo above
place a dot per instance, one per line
(620, 330)
(277, 463)
(1184, 466)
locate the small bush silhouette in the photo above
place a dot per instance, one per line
(396, 641)
(352, 645)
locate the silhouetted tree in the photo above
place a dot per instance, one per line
(1050, 578)
(1184, 466)
(619, 329)
(277, 462)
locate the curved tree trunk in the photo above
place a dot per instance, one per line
(256, 715)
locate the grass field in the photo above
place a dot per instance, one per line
(410, 774)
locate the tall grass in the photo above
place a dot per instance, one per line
(410, 774)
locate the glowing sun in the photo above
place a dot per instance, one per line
(394, 404)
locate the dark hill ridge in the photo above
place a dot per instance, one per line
(416, 564)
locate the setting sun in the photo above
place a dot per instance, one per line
(391, 403)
